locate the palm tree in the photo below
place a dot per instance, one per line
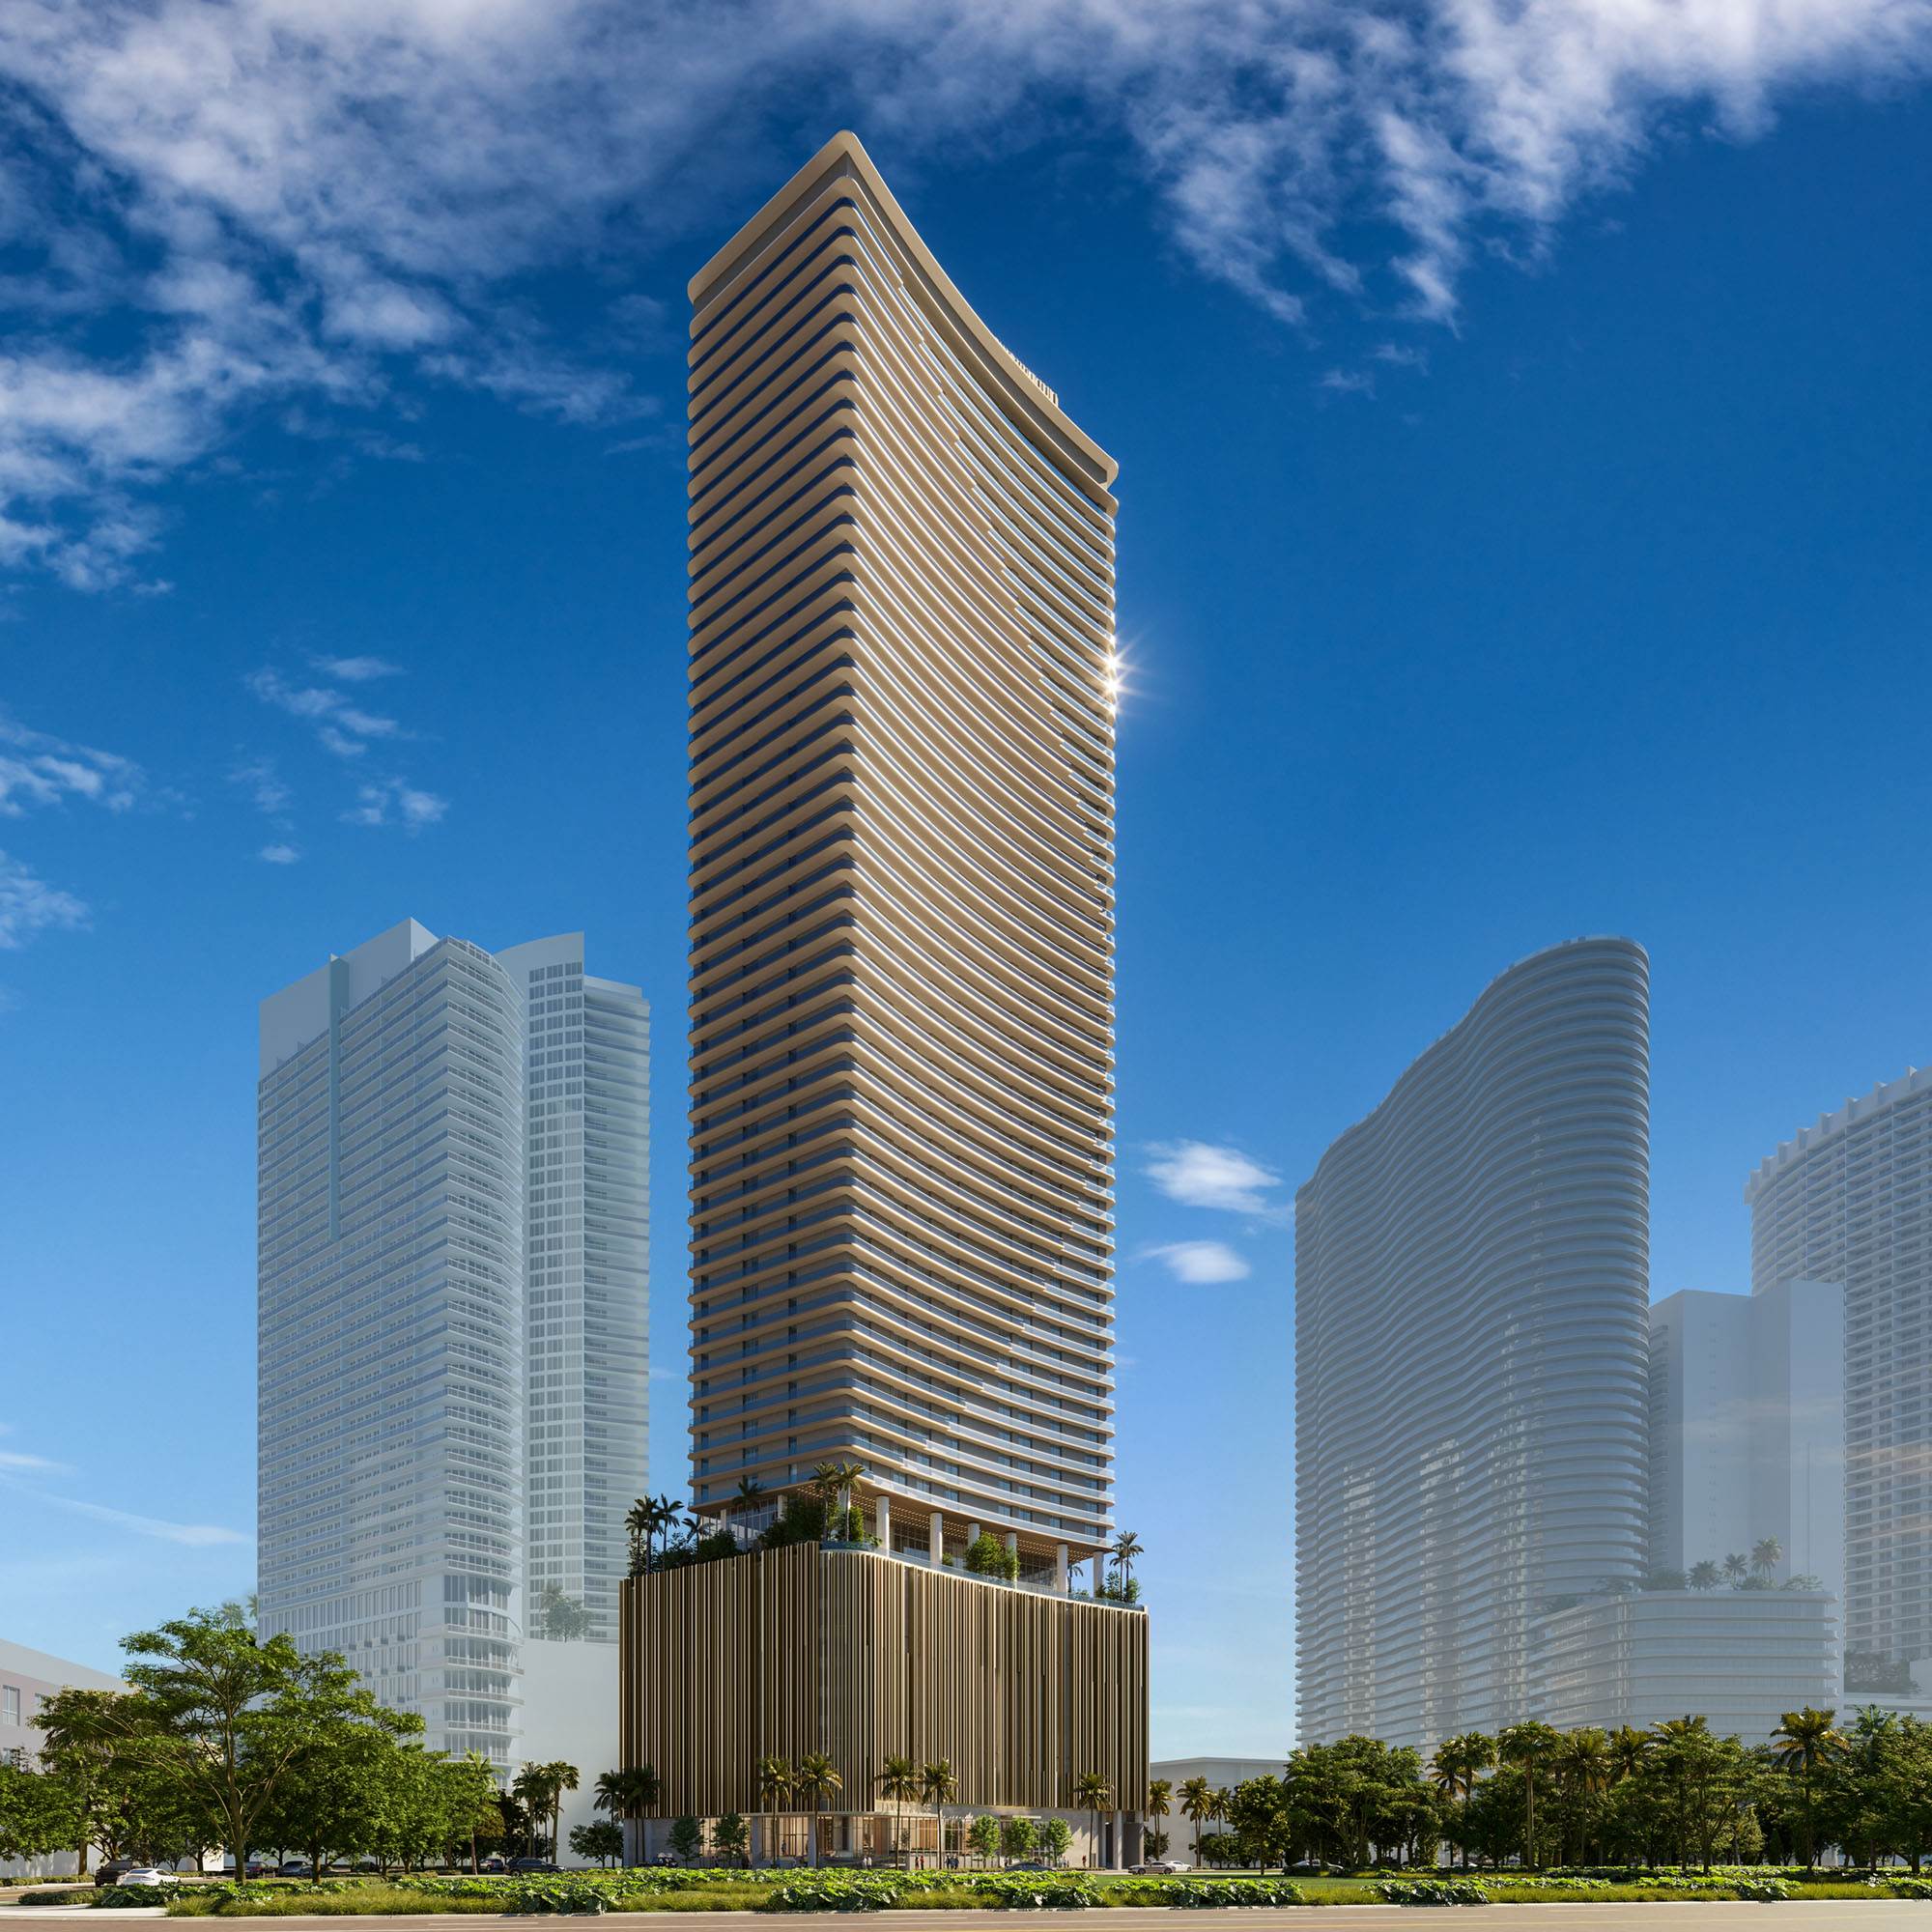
(530, 1788)
(1736, 1569)
(749, 1495)
(1197, 1807)
(776, 1783)
(898, 1782)
(628, 1794)
(1628, 1749)
(1703, 1576)
(1583, 1764)
(816, 1781)
(834, 1483)
(558, 1778)
(638, 1523)
(1454, 1770)
(1091, 1792)
(1125, 1549)
(1681, 1745)
(1767, 1553)
(1160, 1802)
(938, 1784)
(1528, 1747)
(1804, 1741)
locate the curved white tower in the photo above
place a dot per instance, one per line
(1472, 1270)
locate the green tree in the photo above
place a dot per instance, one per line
(776, 1780)
(1529, 1747)
(1159, 1807)
(1767, 1553)
(1582, 1762)
(1266, 1825)
(982, 1835)
(226, 1716)
(1704, 1575)
(729, 1837)
(686, 1838)
(1736, 1569)
(899, 1786)
(626, 1794)
(1804, 1741)
(939, 1785)
(1093, 1793)
(987, 1556)
(86, 1746)
(1055, 1836)
(1122, 1551)
(1019, 1834)
(1458, 1763)
(817, 1778)
(335, 1788)
(603, 1841)
(560, 1618)
(39, 1814)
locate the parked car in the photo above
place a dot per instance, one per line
(110, 1872)
(1147, 1867)
(147, 1875)
(294, 1868)
(667, 1858)
(493, 1864)
(531, 1866)
(1028, 1864)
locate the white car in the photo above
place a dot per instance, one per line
(147, 1875)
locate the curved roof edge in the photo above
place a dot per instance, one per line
(1887, 1093)
(845, 150)
(1508, 973)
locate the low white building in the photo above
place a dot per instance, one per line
(1222, 1774)
(27, 1678)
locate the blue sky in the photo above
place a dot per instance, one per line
(1524, 426)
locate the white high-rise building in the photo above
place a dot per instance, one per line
(405, 1098)
(1850, 1201)
(1747, 1428)
(586, 1243)
(1470, 1270)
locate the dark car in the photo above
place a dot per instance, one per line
(531, 1865)
(110, 1872)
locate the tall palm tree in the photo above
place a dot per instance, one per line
(939, 1785)
(776, 1783)
(817, 1778)
(1160, 1802)
(1093, 1793)
(1197, 1807)
(627, 1794)
(558, 1778)
(1681, 1745)
(835, 1481)
(1454, 1772)
(1736, 1569)
(1767, 1553)
(1124, 1549)
(1528, 1747)
(1803, 1740)
(749, 1495)
(1703, 1576)
(898, 1782)
(1583, 1765)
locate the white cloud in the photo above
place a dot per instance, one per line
(282, 200)
(18, 1459)
(39, 769)
(356, 671)
(18, 1468)
(341, 725)
(1200, 1262)
(29, 906)
(280, 855)
(395, 802)
(263, 784)
(1200, 1174)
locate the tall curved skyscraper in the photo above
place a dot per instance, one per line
(1471, 1284)
(901, 890)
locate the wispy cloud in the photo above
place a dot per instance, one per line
(395, 802)
(341, 725)
(38, 769)
(356, 671)
(29, 1476)
(263, 784)
(292, 204)
(29, 906)
(1201, 1174)
(1200, 1263)
(280, 855)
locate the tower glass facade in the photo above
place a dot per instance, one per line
(406, 1093)
(1847, 1201)
(1472, 1267)
(903, 678)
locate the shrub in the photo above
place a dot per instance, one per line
(988, 1556)
(836, 1892)
(1431, 1892)
(571, 1898)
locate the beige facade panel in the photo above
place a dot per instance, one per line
(903, 677)
(849, 1653)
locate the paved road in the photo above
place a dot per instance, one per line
(1812, 1915)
